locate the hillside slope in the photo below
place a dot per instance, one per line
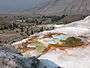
(56, 7)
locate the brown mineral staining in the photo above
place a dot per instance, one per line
(53, 47)
(49, 48)
(24, 49)
(70, 42)
(33, 37)
(50, 35)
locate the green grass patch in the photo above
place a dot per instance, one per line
(40, 47)
(72, 42)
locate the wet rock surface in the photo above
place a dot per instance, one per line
(9, 58)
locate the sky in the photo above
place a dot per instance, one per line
(18, 4)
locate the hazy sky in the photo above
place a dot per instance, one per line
(18, 4)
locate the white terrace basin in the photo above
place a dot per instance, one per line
(69, 58)
(78, 57)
